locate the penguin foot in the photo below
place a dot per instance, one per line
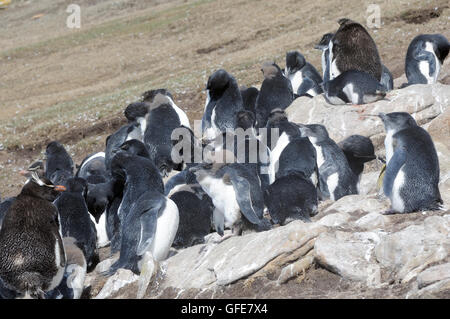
(223, 238)
(148, 267)
(390, 212)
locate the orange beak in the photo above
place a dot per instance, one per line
(60, 188)
(23, 172)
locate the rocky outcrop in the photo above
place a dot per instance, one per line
(371, 254)
(423, 102)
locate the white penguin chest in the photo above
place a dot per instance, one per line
(223, 197)
(334, 71)
(388, 146)
(424, 66)
(166, 229)
(296, 80)
(184, 120)
(213, 131)
(60, 268)
(397, 202)
(282, 142)
(319, 153)
(102, 237)
(349, 91)
(324, 64)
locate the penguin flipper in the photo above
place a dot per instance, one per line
(392, 169)
(307, 84)
(149, 212)
(244, 198)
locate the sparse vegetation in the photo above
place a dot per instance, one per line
(72, 85)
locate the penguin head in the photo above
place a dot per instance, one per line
(213, 162)
(245, 120)
(295, 61)
(270, 70)
(441, 46)
(148, 96)
(98, 196)
(358, 148)
(118, 164)
(134, 147)
(41, 187)
(324, 42)
(218, 82)
(315, 132)
(136, 110)
(276, 117)
(37, 167)
(397, 121)
(158, 101)
(54, 147)
(345, 21)
(76, 185)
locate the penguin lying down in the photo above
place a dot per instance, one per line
(354, 87)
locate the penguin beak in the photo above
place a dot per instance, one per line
(24, 173)
(60, 188)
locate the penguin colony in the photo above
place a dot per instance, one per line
(51, 232)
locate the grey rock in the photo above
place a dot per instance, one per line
(424, 102)
(334, 220)
(440, 289)
(122, 278)
(359, 204)
(372, 221)
(235, 258)
(404, 254)
(349, 255)
(433, 274)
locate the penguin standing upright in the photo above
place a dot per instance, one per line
(304, 77)
(98, 192)
(59, 165)
(412, 168)
(223, 101)
(148, 219)
(32, 257)
(323, 45)
(149, 96)
(135, 113)
(291, 151)
(249, 96)
(276, 93)
(162, 120)
(75, 220)
(424, 58)
(335, 175)
(352, 48)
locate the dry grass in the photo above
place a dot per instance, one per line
(72, 85)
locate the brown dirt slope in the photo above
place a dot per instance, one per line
(72, 84)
